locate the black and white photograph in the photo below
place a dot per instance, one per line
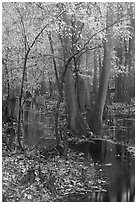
(68, 101)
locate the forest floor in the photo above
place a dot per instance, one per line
(48, 181)
(27, 177)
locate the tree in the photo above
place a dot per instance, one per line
(131, 52)
(70, 53)
(124, 77)
(28, 43)
(95, 87)
(95, 120)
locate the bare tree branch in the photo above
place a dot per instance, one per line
(71, 57)
(115, 22)
(93, 48)
(84, 47)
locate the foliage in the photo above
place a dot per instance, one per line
(77, 29)
(24, 20)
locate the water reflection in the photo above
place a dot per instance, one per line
(36, 126)
(116, 166)
(123, 130)
(120, 174)
(115, 162)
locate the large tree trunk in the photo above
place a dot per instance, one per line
(121, 93)
(83, 93)
(76, 122)
(95, 119)
(120, 79)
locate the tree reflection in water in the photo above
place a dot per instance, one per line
(118, 169)
(117, 164)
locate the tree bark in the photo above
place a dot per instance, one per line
(22, 85)
(76, 122)
(95, 76)
(54, 61)
(95, 120)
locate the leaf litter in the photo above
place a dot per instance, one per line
(27, 179)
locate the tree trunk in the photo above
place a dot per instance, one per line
(76, 122)
(54, 61)
(131, 53)
(95, 120)
(84, 93)
(4, 62)
(27, 106)
(95, 76)
(121, 94)
(20, 100)
(59, 90)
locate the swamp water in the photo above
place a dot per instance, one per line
(37, 126)
(115, 173)
(114, 164)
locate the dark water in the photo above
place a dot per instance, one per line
(115, 171)
(115, 166)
